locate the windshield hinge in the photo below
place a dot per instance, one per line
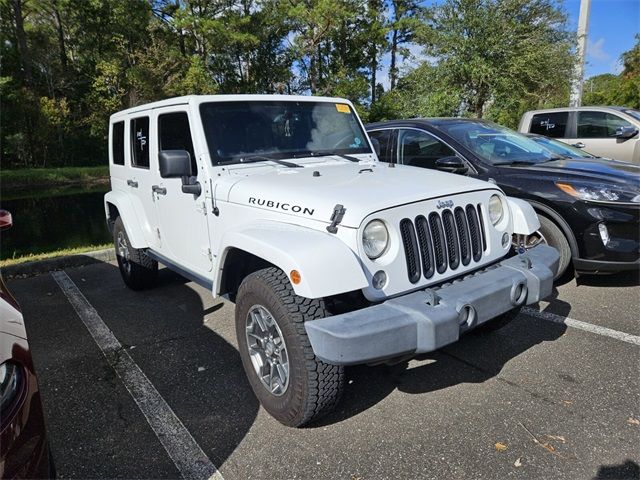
(336, 218)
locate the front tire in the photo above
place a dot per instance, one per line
(289, 381)
(548, 234)
(138, 270)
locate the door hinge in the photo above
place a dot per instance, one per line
(206, 251)
(158, 233)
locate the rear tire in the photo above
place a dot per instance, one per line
(138, 270)
(270, 329)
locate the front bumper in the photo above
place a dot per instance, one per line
(429, 319)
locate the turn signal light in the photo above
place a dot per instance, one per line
(295, 277)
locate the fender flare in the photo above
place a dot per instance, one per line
(132, 225)
(564, 226)
(524, 217)
(327, 266)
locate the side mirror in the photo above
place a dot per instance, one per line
(174, 163)
(452, 164)
(177, 164)
(376, 146)
(626, 132)
(6, 220)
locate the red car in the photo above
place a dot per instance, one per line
(24, 451)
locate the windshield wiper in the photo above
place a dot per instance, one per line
(263, 158)
(326, 153)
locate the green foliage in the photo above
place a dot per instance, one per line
(67, 65)
(623, 89)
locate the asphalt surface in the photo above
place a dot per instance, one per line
(535, 399)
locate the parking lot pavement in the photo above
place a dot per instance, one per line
(536, 399)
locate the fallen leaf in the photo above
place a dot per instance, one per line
(500, 447)
(518, 462)
(633, 421)
(567, 402)
(548, 447)
(557, 437)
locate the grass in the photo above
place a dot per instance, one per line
(57, 253)
(30, 177)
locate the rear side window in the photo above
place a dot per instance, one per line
(384, 138)
(174, 134)
(117, 143)
(140, 142)
(599, 124)
(552, 124)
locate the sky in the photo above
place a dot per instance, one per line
(612, 27)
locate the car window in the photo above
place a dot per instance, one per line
(420, 149)
(280, 129)
(384, 138)
(553, 124)
(599, 124)
(174, 134)
(117, 143)
(556, 146)
(140, 142)
(634, 113)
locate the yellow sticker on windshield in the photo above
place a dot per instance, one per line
(342, 108)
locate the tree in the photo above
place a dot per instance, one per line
(495, 53)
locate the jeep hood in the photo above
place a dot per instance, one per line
(314, 190)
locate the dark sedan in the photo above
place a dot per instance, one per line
(24, 451)
(589, 208)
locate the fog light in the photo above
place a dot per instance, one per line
(379, 280)
(604, 234)
(505, 240)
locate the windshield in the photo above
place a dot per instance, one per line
(556, 146)
(634, 113)
(495, 144)
(263, 130)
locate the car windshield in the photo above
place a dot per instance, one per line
(242, 131)
(495, 144)
(634, 113)
(556, 146)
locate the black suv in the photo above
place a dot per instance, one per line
(589, 208)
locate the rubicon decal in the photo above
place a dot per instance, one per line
(287, 207)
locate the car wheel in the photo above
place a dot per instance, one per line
(289, 381)
(548, 234)
(138, 270)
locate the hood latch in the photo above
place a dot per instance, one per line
(336, 218)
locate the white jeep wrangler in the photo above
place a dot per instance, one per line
(332, 258)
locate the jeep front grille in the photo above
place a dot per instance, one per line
(442, 241)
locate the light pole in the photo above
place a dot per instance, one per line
(575, 99)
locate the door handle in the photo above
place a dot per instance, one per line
(578, 145)
(132, 183)
(159, 190)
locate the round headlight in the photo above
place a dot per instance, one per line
(496, 210)
(375, 239)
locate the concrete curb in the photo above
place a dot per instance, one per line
(37, 267)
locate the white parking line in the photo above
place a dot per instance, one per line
(587, 327)
(185, 452)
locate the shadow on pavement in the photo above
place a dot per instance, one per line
(629, 470)
(165, 330)
(475, 358)
(622, 279)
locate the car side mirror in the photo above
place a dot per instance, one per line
(174, 163)
(177, 164)
(376, 146)
(626, 132)
(6, 220)
(452, 164)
